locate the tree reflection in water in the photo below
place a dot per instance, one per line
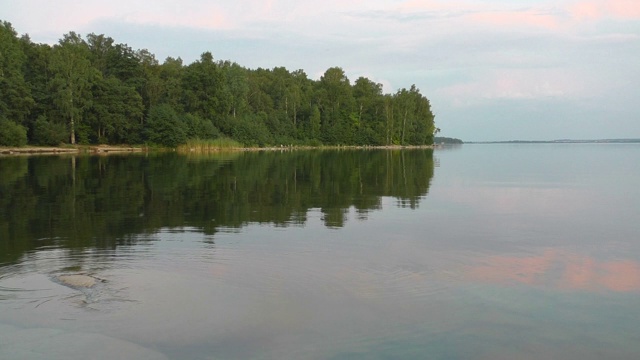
(106, 201)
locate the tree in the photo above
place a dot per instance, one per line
(415, 124)
(236, 86)
(153, 85)
(101, 52)
(72, 79)
(336, 101)
(369, 104)
(37, 76)
(299, 93)
(406, 104)
(115, 112)
(259, 97)
(204, 94)
(15, 99)
(389, 124)
(315, 123)
(171, 74)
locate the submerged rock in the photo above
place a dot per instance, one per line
(90, 286)
(78, 280)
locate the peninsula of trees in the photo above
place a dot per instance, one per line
(93, 90)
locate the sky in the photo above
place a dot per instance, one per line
(493, 69)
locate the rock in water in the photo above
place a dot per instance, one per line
(78, 281)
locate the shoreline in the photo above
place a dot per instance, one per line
(57, 150)
(107, 149)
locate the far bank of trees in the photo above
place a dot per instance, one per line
(92, 90)
(447, 140)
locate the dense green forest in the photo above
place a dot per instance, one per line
(93, 90)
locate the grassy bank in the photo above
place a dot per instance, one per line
(206, 146)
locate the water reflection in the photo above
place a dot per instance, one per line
(106, 202)
(558, 269)
(329, 255)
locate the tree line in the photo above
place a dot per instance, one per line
(93, 90)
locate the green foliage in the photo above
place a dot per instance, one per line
(104, 92)
(48, 133)
(163, 127)
(37, 76)
(204, 93)
(12, 134)
(73, 75)
(250, 132)
(15, 99)
(115, 112)
(199, 128)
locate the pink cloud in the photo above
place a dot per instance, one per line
(531, 18)
(585, 10)
(603, 9)
(550, 16)
(523, 83)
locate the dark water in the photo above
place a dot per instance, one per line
(476, 252)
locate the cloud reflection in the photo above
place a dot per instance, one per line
(557, 269)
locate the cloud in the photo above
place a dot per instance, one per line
(536, 18)
(205, 16)
(514, 84)
(488, 55)
(547, 15)
(605, 9)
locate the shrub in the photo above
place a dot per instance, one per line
(199, 128)
(163, 127)
(49, 133)
(251, 132)
(12, 134)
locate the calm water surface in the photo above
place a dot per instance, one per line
(474, 252)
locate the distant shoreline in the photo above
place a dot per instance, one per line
(563, 141)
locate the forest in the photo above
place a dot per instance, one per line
(92, 90)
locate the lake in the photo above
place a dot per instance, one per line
(500, 251)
